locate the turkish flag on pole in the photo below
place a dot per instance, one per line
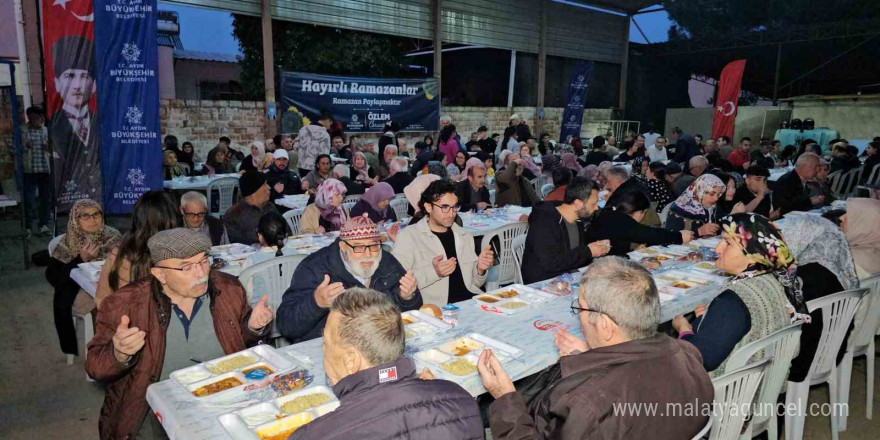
(726, 102)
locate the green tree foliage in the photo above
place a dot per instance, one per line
(707, 18)
(315, 49)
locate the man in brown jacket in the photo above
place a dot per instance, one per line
(510, 185)
(611, 382)
(181, 315)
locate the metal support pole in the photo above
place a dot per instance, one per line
(512, 78)
(624, 66)
(778, 72)
(438, 49)
(22, 56)
(542, 65)
(268, 65)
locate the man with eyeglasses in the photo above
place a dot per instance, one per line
(194, 209)
(440, 253)
(181, 315)
(614, 367)
(355, 259)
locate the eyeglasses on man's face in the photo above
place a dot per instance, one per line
(195, 215)
(188, 268)
(446, 208)
(361, 248)
(576, 309)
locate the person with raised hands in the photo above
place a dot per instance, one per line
(355, 259)
(181, 315)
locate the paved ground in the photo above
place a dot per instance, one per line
(43, 397)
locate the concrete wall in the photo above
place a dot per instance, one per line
(204, 122)
(857, 117)
(750, 121)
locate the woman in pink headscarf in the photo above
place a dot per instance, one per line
(569, 160)
(327, 213)
(376, 203)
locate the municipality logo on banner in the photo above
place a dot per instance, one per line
(134, 115)
(131, 53)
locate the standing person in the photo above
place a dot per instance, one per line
(472, 192)
(241, 219)
(255, 160)
(651, 137)
(376, 204)
(182, 314)
(615, 365)
(423, 156)
(281, 180)
(363, 338)
(724, 147)
(791, 193)
(694, 209)
(486, 143)
(153, 212)
(685, 146)
(760, 299)
(447, 144)
(522, 129)
(556, 242)
(508, 142)
(76, 141)
(440, 253)
(87, 239)
(312, 141)
(327, 213)
(37, 170)
(657, 150)
(355, 259)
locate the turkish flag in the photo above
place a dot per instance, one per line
(726, 101)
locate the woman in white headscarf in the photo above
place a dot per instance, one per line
(256, 160)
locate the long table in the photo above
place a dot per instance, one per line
(195, 182)
(531, 330)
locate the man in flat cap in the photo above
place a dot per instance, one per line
(76, 139)
(183, 314)
(241, 219)
(356, 259)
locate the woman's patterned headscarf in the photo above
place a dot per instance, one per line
(691, 200)
(76, 238)
(762, 244)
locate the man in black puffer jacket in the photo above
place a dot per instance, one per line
(380, 393)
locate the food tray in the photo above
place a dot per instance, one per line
(197, 376)
(696, 278)
(495, 301)
(422, 326)
(248, 424)
(556, 287)
(435, 357)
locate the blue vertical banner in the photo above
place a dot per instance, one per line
(573, 115)
(128, 89)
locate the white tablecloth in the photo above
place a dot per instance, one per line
(297, 201)
(776, 173)
(195, 182)
(88, 281)
(531, 330)
(479, 224)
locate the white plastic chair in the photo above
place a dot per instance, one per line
(53, 243)
(352, 198)
(842, 185)
(505, 235)
(546, 189)
(225, 187)
(861, 343)
(733, 393)
(519, 246)
(664, 213)
(275, 276)
(348, 205)
(705, 431)
(538, 182)
(873, 178)
(292, 217)
(400, 205)
(837, 313)
(778, 349)
(88, 334)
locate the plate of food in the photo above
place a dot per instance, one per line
(230, 374)
(280, 417)
(419, 326)
(457, 359)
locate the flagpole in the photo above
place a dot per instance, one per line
(22, 56)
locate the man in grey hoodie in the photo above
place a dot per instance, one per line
(312, 141)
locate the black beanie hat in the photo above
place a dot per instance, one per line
(250, 182)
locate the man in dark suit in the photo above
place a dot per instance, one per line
(472, 192)
(399, 177)
(790, 192)
(76, 140)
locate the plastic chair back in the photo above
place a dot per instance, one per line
(225, 187)
(837, 313)
(400, 205)
(505, 235)
(546, 189)
(275, 275)
(292, 217)
(734, 390)
(519, 246)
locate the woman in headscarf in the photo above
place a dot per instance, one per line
(187, 156)
(87, 239)
(376, 204)
(528, 161)
(694, 209)
(591, 172)
(413, 191)
(171, 166)
(860, 226)
(256, 160)
(361, 171)
(825, 266)
(762, 297)
(327, 213)
(570, 160)
(217, 162)
(456, 168)
(548, 163)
